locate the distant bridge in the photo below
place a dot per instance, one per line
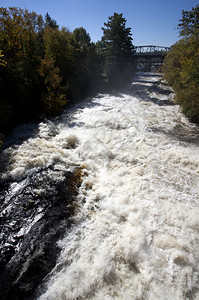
(149, 58)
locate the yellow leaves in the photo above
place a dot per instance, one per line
(188, 58)
(49, 72)
(182, 72)
(186, 65)
(52, 99)
(2, 61)
(17, 32)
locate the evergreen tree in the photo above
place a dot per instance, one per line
(81, 38)
(118, 48)
(87, 70)
(189, 24)
(51, 22)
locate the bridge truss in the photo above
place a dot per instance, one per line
(149, 58)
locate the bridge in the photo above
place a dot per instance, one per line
(149, 58)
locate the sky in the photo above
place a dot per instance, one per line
(152, 22)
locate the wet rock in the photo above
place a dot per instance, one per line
(31, 223)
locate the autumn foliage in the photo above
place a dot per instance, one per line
(42, 67)
(181, 67)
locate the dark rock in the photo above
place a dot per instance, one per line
(30, 226)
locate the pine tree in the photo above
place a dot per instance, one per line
(117, 37)
(51, 22)
(118, 48)
(189, 24)
(81, 38)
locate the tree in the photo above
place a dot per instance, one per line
(2, 61)
(52, 98)
(19, 81)
(59, 47)
(81, 38)
(51, 22)
(18, 32)
(84, 75)
(41, 66)
(181, 65)
(118, 48)
(189, 24)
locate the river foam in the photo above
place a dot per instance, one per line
(137, 225)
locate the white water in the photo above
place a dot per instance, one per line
(137, 222)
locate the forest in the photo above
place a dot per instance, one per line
(181, 65)
(43, 67)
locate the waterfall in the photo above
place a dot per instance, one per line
(134, 230)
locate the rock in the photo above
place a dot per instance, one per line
(30, 226)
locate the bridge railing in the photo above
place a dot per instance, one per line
(151, 49)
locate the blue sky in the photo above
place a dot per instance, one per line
(153, 22)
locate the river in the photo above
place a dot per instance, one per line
(133, 231)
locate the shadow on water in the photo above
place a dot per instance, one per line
(146, 93)
(25, 131)
(20, 134)
(88, 103)
(149, 87)
(160, 102)
(68, 119)
(16, 137)
(28, 130)
(148, 74)
(180, 134)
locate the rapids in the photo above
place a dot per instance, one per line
(136, 222)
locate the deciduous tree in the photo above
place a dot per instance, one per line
(181, 66)
(52, 97)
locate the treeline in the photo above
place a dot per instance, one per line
(181, 65)
(43, 67)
